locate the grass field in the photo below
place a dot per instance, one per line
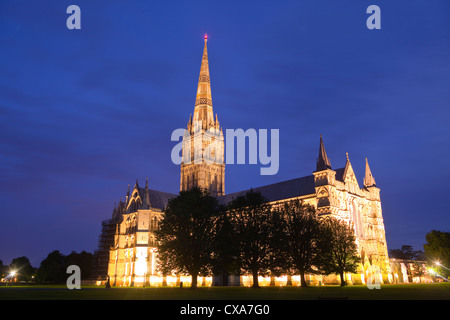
(435, 291)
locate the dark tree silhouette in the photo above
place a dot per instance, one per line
(302, 234)
(279, 262)
(186, 234)
(225, 248)
(406, 253)
(84, 260)
(251, 217)
(338, 250)
(52, 269)
(437, 251)
(23, 268)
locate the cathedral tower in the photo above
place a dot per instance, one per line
(203, 144)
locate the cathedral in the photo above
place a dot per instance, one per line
(127, 253)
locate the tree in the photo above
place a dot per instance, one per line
(418, 270)
(52, 269)
(23, 268)
(437, 250)
(84, 260)
(302, 235)
(338, 250)
(279, 262)
(251, 217)
(2, 269)
(186, 234)
(225, 248)
(406, 253)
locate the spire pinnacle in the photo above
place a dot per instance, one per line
(127, 197)
(323, 162)
(203, 110)
(369, 180)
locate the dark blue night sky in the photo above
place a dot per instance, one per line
(83, 113)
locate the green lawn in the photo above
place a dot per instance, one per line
(435, 291)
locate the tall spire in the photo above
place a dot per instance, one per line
(369, 180)
(323, 162)
(203, 110)
(204, 141)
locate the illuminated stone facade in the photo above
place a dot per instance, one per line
(410, 271)
(131, 248)
(337, 193)
(132, 257)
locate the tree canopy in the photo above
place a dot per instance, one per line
(186, 234)
(437, 250)
(52, 268)
(23, 268)
(338, 250)
(251, 216)
(406, 253)
(302, 233)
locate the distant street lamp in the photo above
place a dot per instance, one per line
(439, 264)
(11, 277)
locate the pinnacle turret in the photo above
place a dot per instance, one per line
(369, 180)
(146, 204)
(323, 162)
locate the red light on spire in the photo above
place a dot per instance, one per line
(206, 36)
